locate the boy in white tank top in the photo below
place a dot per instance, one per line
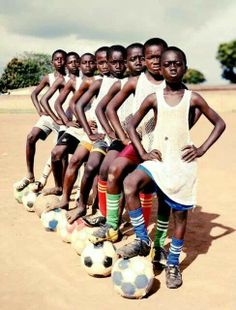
(45, 124)
(171, 165)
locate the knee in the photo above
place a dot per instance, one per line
(130, 185)
(114, 173)
(89, 169)
(56, 155)
(74, 163)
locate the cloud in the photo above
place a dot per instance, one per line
(198, 26)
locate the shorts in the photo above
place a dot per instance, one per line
(100, 146)
(47, 125)
(163, 197)
(69, 140)
(116, 145)
(130, 152)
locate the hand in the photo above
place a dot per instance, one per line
(72, 124)
(96, 136)
(191, 152)
(154, 154)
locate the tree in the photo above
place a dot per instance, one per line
(193, 76)
(26, 70)
(226, 55)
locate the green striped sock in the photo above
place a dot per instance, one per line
(161, 231)
(113, 209)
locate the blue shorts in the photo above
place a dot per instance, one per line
(163, 197)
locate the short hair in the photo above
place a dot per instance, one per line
(102, 49)
(59, 51)
(88, 54)
(155, 41)
(117, 48)
(177, 50)
(73, 54)
(134, 45)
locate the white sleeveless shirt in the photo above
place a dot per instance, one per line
(175, 177)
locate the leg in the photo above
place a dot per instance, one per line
(173, 274)
(57, 154)
(79, 157)
(32, 138)
(90, 171)
(39, 185)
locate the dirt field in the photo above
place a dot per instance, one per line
(39, 271)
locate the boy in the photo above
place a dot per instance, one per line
(69, 140)
(139, 86)
(45, 124)
(116, 56)
(171, 164)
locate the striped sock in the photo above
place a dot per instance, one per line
(161, 231)
(174, 251)
(102, 189)
(137, 220)
(146, 203)
(113, 210)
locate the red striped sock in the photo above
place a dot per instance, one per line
(102, 190)
(146, 203)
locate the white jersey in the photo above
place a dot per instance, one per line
(52, 78)
(143, 89)
(175, 177)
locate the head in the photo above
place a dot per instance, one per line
(173, 64)
(135, 59)
(59, 60)
(153, 49)
(87, 64)
(72, 63)
(101, 60)
(116, 56)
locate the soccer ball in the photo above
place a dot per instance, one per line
(133, 277)
(28, 200)
(80, 237)
(65, 230)
(51, 219)
(18, 195)
(98, 259)
(43, 202)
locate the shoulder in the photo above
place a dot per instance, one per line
(196, 99)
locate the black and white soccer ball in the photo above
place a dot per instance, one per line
(98, 259)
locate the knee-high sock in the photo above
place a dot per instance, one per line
(161, 230)
(102, 190)
(46, 172)
(113, 210)
(174, 251)
(146, 203)
(137, 220)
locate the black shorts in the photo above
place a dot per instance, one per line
(70, 141)
(116, 145)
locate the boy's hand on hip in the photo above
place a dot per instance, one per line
(154, 154)
(191, 152)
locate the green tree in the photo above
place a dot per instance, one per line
(226, 55)
(25, 70)
(193, 76)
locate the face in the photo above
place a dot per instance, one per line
(87, 65)
(72, 64)
(117, 64)
(58, 61)
(152, 59)
(173, 66)
(135, 60)
(102, 63)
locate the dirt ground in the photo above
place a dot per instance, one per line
(39, 271)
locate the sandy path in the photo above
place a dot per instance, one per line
(39, 271)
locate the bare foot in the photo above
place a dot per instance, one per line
(74, 214)
(61, 205)
(53, 191)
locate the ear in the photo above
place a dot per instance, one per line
(186, 68)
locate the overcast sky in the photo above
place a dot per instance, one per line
(196, 26)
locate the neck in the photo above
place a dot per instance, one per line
(175, 86)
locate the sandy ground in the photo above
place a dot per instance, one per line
(39, 271)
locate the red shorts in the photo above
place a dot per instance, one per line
(130, 152)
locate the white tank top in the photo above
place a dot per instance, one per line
(144, 88)
(175, 177)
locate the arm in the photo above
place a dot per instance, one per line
(61, 99)
(150, 102)
(115, 103)
(34, 96)
(101, 107)
(44, 101)
(190, 151)
(82, 103)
